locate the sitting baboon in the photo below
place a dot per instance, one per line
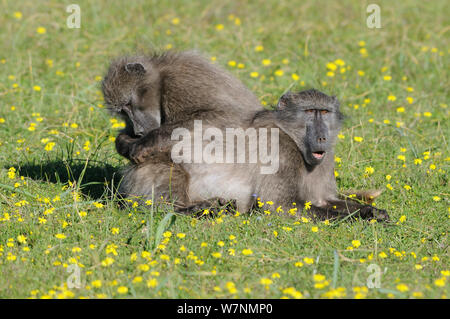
(306, 124)
(155, 94)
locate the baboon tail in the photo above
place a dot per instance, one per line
(367, 196)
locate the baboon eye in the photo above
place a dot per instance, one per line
(310, 111)
(323, 111)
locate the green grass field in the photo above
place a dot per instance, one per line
(58, 164)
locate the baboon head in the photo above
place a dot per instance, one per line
(128, 91)
(313, 120)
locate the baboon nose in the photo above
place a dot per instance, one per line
(321, 140)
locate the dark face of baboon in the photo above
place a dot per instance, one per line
(125, 89)
(318, 122)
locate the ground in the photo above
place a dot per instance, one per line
(58, 218)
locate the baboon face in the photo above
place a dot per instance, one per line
(315, 118)
(124, 89)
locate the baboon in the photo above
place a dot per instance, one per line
(162, 92)
(307, 123)
(155, 94)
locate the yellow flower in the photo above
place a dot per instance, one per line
(314, 229)
(358, 139)
(392, 98)
(96, 283)
(266, 281)
(219, 27)
(49, 146)
(382, 254)
(402, 288)
(266, 62)
(122, 290)
(318, 277)
(254, 74)
(175, 21)
(137, 280)
(247, 252)
(22, 239)
(18, 15)
(152, 282)
(259, 48)
(308, 260)
(295, 76)
(60, 236)
(98, 205)
(331, 66)
(167, 234)
(41, 30)
(231, 287)
(356, 243)
(107, 261)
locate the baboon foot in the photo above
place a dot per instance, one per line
(208, 207)
(370, 212)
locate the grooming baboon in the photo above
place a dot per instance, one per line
(162, 92)
(307, 122)
(159, 93)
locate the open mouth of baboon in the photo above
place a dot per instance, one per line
(318, 155)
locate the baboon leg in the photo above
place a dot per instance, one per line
(324, 213)
(213, 205)
(169, 183)
(162, 182)
(362, 211)
(339, 209)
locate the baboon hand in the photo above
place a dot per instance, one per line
(124, 143)
(142, 149)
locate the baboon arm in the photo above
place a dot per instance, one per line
(160, 139)
(157, 141)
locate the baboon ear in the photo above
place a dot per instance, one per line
(135, 68)
(284, 101)
(336, 102)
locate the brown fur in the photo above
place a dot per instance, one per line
(155, 94)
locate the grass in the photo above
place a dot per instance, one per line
(58, 166)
